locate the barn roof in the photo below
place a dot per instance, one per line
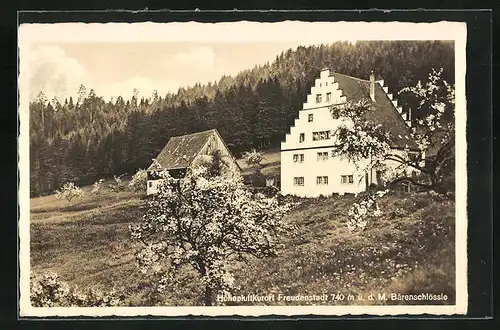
(355, 89)
(180, 151)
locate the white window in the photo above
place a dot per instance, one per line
(323, 135)
(302, 137)
(298, 158)
(310, 117)
(328, 97)
(322, 156)
(150, 184)
(326, 83)
(298, 181)
(321, 180)
(347, 179)
(318, 98)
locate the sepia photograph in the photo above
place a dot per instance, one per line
(243, 168)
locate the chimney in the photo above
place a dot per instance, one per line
(372, 85)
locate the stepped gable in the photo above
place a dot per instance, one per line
(386, 111)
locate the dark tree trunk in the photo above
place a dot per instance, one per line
(208, 296)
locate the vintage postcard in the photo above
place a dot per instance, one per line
(242, 168)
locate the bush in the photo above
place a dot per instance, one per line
(253, 157)
(118, 185)
(49, 291)
(139, 181)
(69, 191)
(96, 187)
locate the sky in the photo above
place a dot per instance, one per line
(115, 58)
(115, 69)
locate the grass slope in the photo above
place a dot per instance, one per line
(409, 249)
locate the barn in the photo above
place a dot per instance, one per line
(186, 151)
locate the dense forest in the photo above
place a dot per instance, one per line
(87, 138)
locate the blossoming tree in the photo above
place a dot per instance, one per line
(118, 185)
(368, 144)
(206, 223)
(139, 181)
(253, 157)
(97, 187)
(69, 191)
(359, 139)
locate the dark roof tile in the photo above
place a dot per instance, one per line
(180, 151)
(385, 113)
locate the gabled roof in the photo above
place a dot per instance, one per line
(180, 151)
(355, 89)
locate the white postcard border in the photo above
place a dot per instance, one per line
(244, 31)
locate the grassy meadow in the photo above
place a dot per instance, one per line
(408, 250)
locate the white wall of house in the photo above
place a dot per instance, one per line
(152, 186)
(300, 173)
(341, 175)
(309, 174)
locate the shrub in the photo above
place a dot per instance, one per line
(253, 157)
(69, 191)
(96, 187)
(49, 291)
(368, 207)
(139, 181)
(118, 185)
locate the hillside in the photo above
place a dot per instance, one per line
(409, 249)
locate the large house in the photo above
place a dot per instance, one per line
(188, 151)
(308, 166)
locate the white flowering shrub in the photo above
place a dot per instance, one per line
(253, 157)
(206, 223)
(118, 185)
(97, 187)
(49, 291)
(368, 144)
(69, 191)
(360, 212)
(139, 181)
